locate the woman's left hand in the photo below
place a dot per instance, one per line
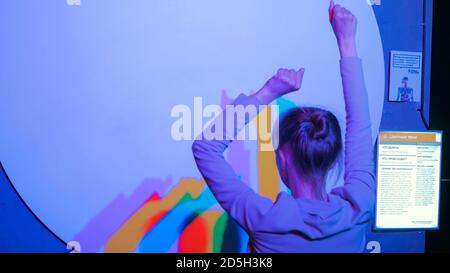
(284, 82)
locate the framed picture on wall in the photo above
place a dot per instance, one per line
(405, 77)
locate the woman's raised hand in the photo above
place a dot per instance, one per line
(344, 25)
(282, 83)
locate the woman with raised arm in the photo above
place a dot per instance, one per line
(310, 145)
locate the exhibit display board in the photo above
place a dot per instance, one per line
(409, 165)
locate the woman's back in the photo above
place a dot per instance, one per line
(296, 226)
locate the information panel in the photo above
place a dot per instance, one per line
(409, 165)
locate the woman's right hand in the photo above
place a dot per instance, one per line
(344, 25)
